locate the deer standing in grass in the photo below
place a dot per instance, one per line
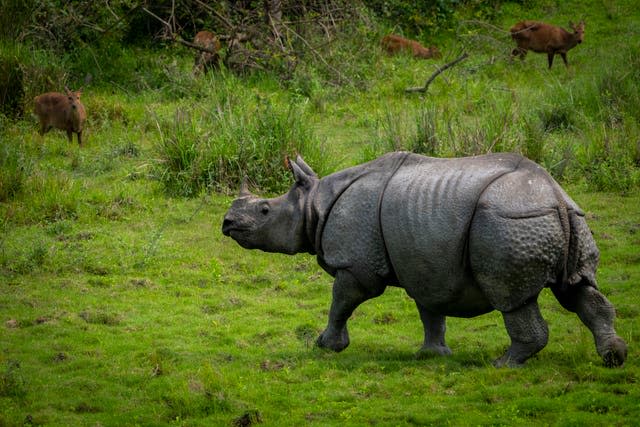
(206, 60)
(61, 111)
(394, 44)
(545, 38)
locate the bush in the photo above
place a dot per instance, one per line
(15, 168)
(26, 73)
(11, 87)
(214, 150)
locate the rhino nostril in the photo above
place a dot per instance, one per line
(226, 225)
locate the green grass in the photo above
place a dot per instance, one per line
(123, 304)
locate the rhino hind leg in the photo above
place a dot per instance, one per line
(434, 331)
(348, 293)
(528, 332)
(598, 314)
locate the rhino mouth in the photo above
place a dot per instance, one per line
(229, 227)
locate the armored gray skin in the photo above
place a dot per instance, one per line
(462, 236)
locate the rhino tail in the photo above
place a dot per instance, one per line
(583, 258)
(580, 254)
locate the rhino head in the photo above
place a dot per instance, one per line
(278, 224)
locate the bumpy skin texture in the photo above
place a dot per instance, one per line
(462, 236)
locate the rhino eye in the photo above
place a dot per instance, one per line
(264, 209)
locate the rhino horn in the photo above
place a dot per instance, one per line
(244, 187)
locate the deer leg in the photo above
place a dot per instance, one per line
(348, 293)
(564, 58)
(70, 135)
(521, 52)
(434, 330)
(550, 58)
(80, 138)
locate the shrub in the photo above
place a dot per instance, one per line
(198, 151)
(11, 87)
(51, 198)
(15, 168)
(12, 383)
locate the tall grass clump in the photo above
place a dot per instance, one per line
(26, 72)
(199, 150)
(12, 382)
(15, 167)
(49, 198)
(463, 130)
(609, 160)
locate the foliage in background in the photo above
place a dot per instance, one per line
(133, 299)
(214, 148)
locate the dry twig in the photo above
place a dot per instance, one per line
(436, 74)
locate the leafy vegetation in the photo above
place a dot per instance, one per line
(121, 303)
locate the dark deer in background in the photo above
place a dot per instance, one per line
(61, 111)
(206, 60)
(394, 44)
(545, 38)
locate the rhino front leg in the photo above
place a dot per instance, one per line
(348, 293)
(528, 332)
(434, 330)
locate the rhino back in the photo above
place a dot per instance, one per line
(427, 215)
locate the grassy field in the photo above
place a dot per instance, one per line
(121, 302)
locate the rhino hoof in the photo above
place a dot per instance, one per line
(434, 351)
(507, 362)
(615, 354)
(336, 343)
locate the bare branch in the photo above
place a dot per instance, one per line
(171, 36)
(224, 20)
(315, 52)
(166, 24)
(436, 74)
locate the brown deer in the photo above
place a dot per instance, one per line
(545, 38)
(61, 111)
(394, 44)
(206, 60)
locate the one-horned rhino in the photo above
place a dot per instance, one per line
(462, 236)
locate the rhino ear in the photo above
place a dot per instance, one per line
(244, 188)
(305, 167)
(302, 178)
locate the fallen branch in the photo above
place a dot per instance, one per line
(434, 75)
